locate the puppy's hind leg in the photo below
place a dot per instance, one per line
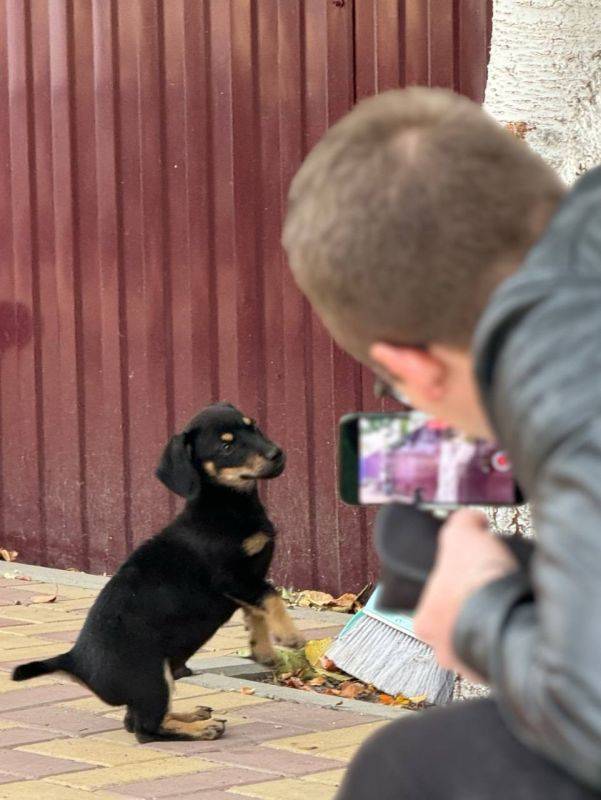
(179, 669)
(151, 720)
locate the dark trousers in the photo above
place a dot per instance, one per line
(460, 752)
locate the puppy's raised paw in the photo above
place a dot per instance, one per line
(268, 658)
(294, 640)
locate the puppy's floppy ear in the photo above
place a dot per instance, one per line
(176, 468)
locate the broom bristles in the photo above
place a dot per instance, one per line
(392, 661)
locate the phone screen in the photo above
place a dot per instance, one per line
(411, 458)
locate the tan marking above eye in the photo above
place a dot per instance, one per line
(227, 437)
(255, 543)
(247, 421)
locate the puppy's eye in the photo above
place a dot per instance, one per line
(226, 447)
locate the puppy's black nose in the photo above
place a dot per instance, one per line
(273, 453)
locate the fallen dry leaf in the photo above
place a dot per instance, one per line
(294, 682)
(386, 700)
(247, 690)
(8, 555)
(314, 598)
(345, 603)
(328, 664)
(45, 598)
(352, 689)
(318, 681)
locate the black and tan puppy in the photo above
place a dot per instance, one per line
(179, 587)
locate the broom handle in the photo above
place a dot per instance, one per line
(406, 540)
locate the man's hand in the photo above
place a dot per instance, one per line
(468, 557)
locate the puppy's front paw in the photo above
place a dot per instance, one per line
(265, 656)
(294, 639)
(213, 729)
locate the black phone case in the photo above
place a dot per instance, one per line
(406, 538)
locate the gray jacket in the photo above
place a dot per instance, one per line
(538, 357)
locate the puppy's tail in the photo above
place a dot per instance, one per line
(34, 668)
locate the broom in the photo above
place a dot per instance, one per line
(379, 648)
(378, 645)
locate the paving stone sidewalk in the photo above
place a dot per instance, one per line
(59, 742)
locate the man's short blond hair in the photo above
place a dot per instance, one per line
(408, 213)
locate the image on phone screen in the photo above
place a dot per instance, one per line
(411, 458)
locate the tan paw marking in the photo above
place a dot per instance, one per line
(198, 729)
(255, 543)
(280, 623)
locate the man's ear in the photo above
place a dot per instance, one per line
(176, 468)
(419, 372)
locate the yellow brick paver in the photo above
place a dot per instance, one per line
(93, 705)
(286, 789)
(324, 741)
(120, 737)
(39, 629)
(130, 773)
(331, 777)
(12, 641)
(218, 703)
(341, 753)
(222, 701)
(183, 690)
(7, 724)
(51, 612)
(50, 589)
(42, 790)
(79, 604)
(25, 653)
(8, 685)
(92, 750)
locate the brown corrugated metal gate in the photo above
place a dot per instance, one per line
(146, 147)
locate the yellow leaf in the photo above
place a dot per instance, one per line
(315, 650)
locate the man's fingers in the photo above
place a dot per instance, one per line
(464, 522)
(471, 517)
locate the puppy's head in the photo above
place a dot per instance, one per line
(219, 446)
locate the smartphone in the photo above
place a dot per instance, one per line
(408, 457)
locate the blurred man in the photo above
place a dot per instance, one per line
(441, 251)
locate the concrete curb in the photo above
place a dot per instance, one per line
(84, 580)
(272, 692)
